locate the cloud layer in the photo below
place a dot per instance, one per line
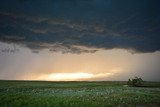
(69, 26)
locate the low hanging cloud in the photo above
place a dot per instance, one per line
(81, 26)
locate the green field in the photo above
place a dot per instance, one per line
(77, 94)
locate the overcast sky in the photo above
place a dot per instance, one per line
(63, 40)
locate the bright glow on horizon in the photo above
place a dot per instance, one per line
(72, 76)
(68, 76)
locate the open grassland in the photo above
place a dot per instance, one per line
(77, 94)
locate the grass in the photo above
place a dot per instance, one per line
(77, 94)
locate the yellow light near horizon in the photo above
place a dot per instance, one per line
(69, 76)
(77, 76)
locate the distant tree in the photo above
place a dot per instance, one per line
(136, 82)
(129, 82)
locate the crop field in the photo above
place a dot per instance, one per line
(77, 94)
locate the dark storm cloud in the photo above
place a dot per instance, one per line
(66, 25)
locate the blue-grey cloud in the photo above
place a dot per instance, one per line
(64, 25)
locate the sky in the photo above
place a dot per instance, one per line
(79, 40)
